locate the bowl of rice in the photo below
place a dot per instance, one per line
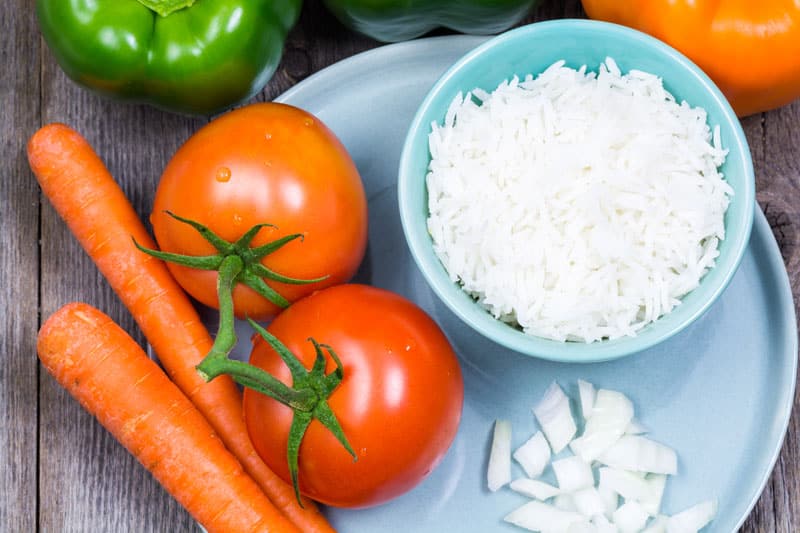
(576, 191)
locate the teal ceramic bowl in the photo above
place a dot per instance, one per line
(529, 50)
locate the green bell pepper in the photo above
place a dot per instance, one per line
(189, 56)
(400, 20)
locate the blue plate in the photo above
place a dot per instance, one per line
(720, 392)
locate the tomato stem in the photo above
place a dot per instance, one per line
(309, 380)
(238, 262)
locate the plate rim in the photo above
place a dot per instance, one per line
(772, 261)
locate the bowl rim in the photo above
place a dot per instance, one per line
(540, 347)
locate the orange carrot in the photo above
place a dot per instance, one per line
(110, 375)
(84, 193)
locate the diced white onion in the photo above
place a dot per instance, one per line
(539, 516)
(630, 468)
(587, 394)
(611, 415)
(610, 499)
(602, 525)
(657, 525)
(692, 519)
(627, 484)
(591, 446)
(652, 503)
(500, 456)
(588, 502)
(533, 488)
(534, 455)
(565, 502)
(637, 453)
(611, 410)
(582, 527)
(555, 417)
(573, 473)
(630, 517)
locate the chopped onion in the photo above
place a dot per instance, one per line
(631, 469)
(634, 452)
(692, 519)
(555, 417)
(648, 491)
(589, 502)
(500, 455)
(611, 415)
(627, 484)
(573, 473)
(602, 525)
(657, 484)
(539, 516)
(612, 410)
(610, 499)
(565, 502)
(591, 446)
(582, 527)
(587, 394)
(630, 517)
(533, 488)
(658, 525)
(534, 455)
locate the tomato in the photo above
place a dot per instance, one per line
(264, 163)
(399, 403)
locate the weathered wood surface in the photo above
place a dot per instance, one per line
(59, 470)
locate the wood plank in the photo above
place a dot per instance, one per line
(19, 260)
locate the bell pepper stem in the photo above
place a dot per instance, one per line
(166, 7)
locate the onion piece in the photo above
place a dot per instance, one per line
(602, 525)
(637, 453)
(658, 525)
(587, 395)
(611, 415)
(589, 502)
(539, 516)
(533, 488)
(692, 519)
(629, 485)
(500, 456)
(573, 473)
(610, 499)
(534, 455)
(630, 517)
(565, 502)
(591, 446)
(652, 503)
(581, 527)
(555, 417)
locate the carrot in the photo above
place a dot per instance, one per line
(85, 195)
(110, 375)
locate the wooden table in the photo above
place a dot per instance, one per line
(61, 471)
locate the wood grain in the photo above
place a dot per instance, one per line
(61, 471)
(19, 263)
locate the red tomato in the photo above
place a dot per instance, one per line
(399, 403)
(264, 163)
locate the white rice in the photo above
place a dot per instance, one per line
(577, 205)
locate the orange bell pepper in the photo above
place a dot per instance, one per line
(750, 49)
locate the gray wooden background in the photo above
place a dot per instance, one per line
(59, 470)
